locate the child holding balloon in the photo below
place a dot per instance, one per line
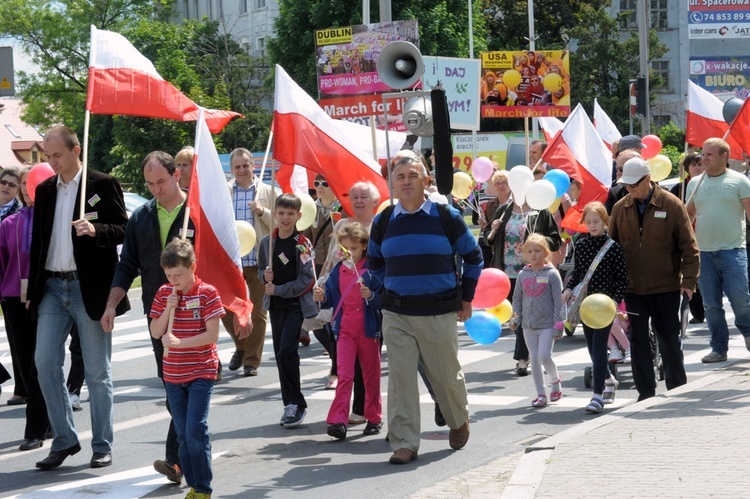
(600, 266)
(537, 305)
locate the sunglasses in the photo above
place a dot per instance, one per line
(320, 183)
(633, 186)
(5, 183)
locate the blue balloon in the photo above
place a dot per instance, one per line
(483, 327)
(560, 180)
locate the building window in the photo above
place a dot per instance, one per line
(628, 7)
(658, 14)
(34, 156)
(243, 6)
(186, 9)
(261, 45)
(662, 120)
(259, 4)
(661, 68)
(220, 8)
(13, 131)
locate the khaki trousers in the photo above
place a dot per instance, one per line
(253, 344)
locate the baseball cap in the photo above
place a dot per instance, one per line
(630, 142)
(633, 170)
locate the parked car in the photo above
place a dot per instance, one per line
(133, 201)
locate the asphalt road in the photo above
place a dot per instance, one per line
(255, 457)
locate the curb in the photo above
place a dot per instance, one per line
(529, 473)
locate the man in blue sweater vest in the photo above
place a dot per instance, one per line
(415, 259)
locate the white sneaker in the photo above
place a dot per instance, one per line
(615, 355)
(75, 402)
(627, 359)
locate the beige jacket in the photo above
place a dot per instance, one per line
(261, 224)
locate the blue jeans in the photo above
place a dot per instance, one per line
(189, 403)
(725, 273)
(61, 307)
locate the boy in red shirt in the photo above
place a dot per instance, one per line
(190, 367)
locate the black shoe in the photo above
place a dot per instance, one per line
(522, 371)
(695, 320)
(372, 428)
(250, 371)
(101, 459)
(439, 418)
(56, 457)
(236, 361)
(31, 444)
(169, 470)
(16, 400)
(337, 431)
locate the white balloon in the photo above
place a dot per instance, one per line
(541, 194)
(308, 210)
(519, 180)
(438, 198)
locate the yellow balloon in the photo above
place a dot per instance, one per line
(461, 185)
(598, 311)
(246, 235)
(511, 78)
(555, 205)
(308, 210)
(503, 311)
(384, 205)
(661, 167)
(552, 82)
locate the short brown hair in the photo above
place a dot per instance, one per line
(354, 231)
(178, 253)
(67, 134)
(598, 208)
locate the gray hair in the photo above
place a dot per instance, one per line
(368, 186)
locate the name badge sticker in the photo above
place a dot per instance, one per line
(190, 232)
(283, 259)
(660, 214)
(193, 303)
(542, 280)
(94, 215)
(94, 199)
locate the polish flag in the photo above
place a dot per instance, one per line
(604, 126)
(705, 120)
(305, 135)
(580, 152)
(123, 81)
(740, 129)
(217, 246)
(550, 127)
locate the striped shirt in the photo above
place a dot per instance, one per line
(415, 257)
(242, 211)
(194, 309)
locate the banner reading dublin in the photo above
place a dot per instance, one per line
(348, 82)
(525, 84)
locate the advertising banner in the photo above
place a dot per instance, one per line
(712, 19)
(520, 84)
(722, 74)
(348, 82)
(460, 79)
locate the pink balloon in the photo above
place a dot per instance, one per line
(651, 146)
(38, 174)
(492, 288)
(481, 169)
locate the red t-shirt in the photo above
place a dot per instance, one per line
(195, 307)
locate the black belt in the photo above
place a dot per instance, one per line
(71, 275)
(438, 304)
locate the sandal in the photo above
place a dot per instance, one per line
(556, 394)
(594, 407)
(609, 391)
(539, 401)
(522, 371)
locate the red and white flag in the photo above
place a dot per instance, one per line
(605, 126)
(579, 151)
(305, 135)
(740, 129)
(705, 119)
(217, 246)
(550, 127)
(123, 81)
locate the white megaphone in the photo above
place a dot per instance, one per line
(400, 65)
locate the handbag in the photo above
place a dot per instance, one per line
(580, 291)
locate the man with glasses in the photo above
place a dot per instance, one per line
(719, 205)
(252, 203)
(662, 261)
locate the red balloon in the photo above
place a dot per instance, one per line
(651, 146)
(493, 287)
(38, 174)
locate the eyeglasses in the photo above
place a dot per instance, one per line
(5, 183)
(320, 183)
(633, 186)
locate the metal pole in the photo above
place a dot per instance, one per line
(532, 47)
(385, 11)
(365, 13)
(643, 16)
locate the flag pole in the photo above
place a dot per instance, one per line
(183, 237)
(265, 158)
(273, 209)
(703, 176)
(86, 121)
